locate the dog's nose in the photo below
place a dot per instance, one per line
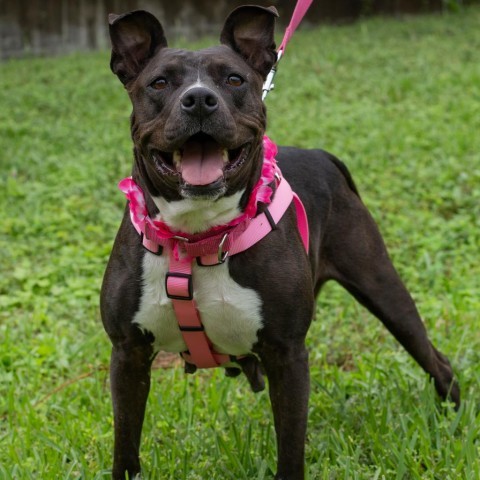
(199, 101)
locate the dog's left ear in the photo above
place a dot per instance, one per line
(249, 31)
(136, 37)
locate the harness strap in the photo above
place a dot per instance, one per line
(179, 282)
(179, 288)
(302, 221)
(260, 226)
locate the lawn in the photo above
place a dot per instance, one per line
(399, 101)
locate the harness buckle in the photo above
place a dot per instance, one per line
(148, 245)
(182, 291)
(222, 256)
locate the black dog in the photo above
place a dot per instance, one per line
(197, 126)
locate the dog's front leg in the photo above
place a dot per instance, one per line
(130, 383)
(289, 385)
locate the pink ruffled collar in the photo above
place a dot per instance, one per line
(262, 192)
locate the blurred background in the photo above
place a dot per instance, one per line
(50, 27)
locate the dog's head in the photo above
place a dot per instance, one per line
(198, 118)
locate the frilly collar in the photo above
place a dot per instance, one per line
(262, 192)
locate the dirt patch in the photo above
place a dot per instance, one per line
(167, 360)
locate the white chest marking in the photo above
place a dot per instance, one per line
(197, 215)
(231, 314)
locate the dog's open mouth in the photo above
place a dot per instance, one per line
(201, 160)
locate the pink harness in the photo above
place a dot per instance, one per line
(212, 248)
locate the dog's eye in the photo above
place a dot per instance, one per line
(235, 80)
(159, 84)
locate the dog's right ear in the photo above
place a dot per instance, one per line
(136, 37)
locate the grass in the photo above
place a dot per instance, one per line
(399, 101)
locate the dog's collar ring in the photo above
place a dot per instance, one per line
(222, 256)
(180, 238)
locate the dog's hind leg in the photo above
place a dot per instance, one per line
(358, 260)
(130, 384)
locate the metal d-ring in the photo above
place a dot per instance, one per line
(181, 239)
(222, 256)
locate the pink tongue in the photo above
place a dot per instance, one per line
(202, 163)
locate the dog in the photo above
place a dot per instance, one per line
(198, 127)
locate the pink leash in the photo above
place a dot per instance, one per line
(300, 10)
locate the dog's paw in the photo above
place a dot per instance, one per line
(190, 368)
(232, 372)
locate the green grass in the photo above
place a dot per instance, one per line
(399, 101)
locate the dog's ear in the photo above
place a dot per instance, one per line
(136, 37)
(249, 31)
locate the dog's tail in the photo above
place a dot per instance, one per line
(345, 172)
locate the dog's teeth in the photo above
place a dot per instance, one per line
(177, 158)
(225, 156)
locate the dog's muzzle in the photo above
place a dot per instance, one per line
(201, 162)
